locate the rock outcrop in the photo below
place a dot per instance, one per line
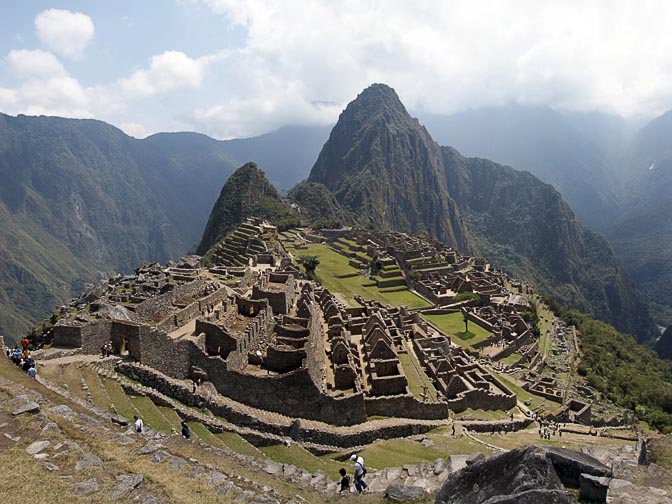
(531, 474)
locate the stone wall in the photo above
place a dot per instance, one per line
(67, 335)
(406, 406)
(343, 438)
(283, 359)
(168, 356)
(315, 351)
(218, 341)
(160, 306)
(293, 394)
(94, 335)
(126, 336)
(481, 399)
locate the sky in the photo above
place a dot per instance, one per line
(240, 68)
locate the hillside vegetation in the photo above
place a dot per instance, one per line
(627, 373)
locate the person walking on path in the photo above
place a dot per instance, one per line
(139, 424)
(186, 433)
(360, 472)
(345, 480)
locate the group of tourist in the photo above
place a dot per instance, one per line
(548, 429)
(22, 357)
(106, 349)
(359, 472)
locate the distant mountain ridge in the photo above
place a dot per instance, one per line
(552, 146)
(642, 231)
(383, 166)
(80, 199)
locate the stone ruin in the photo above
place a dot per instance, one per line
(264, 336)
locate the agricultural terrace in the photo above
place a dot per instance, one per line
(337, 275)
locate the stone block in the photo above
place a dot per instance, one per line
(594, 488)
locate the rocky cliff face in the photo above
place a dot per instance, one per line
(382, 165)
(523, 225)
(642, 233)
(246, 193)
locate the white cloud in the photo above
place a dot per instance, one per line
(61, 96)
(443, 56)
(253, 115)
(7, 96)
(37, 63)
(135, 130)
(167, 71)
(65, 32)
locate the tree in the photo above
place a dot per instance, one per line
(310, 263)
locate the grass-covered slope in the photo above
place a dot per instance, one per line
(628, 373)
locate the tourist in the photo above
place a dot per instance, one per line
(139, 424)
(103, 351)
(186, 433)
(32, 371)
(345, 480)
(16, 356)
(24, 343)
(360, 472)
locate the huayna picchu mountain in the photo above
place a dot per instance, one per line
(384, 166)
(246, 193)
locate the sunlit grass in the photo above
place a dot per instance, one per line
(337, 275)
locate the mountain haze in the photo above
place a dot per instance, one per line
(642, 232)
(552, 146)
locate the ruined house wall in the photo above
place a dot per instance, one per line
(283, 359)
(387, 385)
(280, 301)
(67, 335)
(406, 406)
(129, 332)
(293, 394)
(217, 339)
(160, 306)
(94, 335)
(167, 356)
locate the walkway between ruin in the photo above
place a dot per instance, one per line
(187, 329)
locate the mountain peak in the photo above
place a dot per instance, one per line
(375, 149)
(246, 193)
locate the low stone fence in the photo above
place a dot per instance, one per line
(404, 406)
(338, 437)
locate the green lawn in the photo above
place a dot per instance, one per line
(524, 395)
(453, 325)
(72, 378)
(398, 452)
(511, 359)
(98, 392)
(300, 457)
(482, 414)
(151, 415)
(119, 398)
(337, 275)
